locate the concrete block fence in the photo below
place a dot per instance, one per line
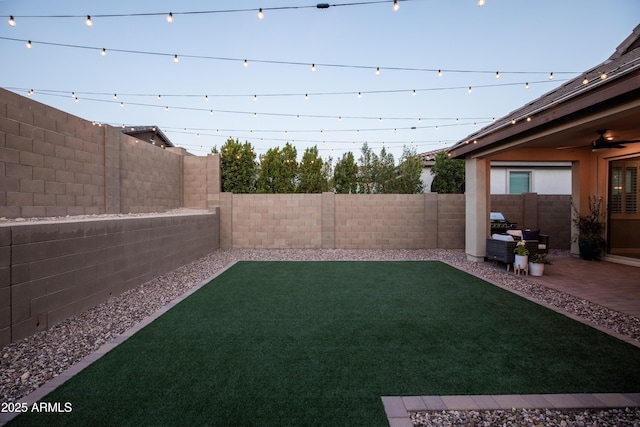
(374, 221)
(50, 271)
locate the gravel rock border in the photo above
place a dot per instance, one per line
(529, 417)
(29, 363)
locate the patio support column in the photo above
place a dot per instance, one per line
(575, 201)
(477, 203)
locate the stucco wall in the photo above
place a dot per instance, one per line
(50, 271)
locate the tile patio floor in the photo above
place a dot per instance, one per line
(612, 285)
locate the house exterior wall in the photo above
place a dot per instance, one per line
(544, 180)
(52, 270)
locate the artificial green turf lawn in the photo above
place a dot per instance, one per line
(318, 343)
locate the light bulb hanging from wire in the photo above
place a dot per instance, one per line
(175, 58)
(28, 44)
(396, 6)
(89, 22)
(245, 63)
(481, 3)
(313, 67)
(260, 14)
(170, 17)
(12, 22)
(104, 52)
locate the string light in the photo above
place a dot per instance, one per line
(526, 85)
(603, 75)
(481, 3)
(377, 71)
(166, 108)
(260, 14)
(497, 74)
(175, 58)
(28, 44)
(255, 97)
(206, 98)
(306, 96)
(104, 52)
(359, 94)
(89, 22)
(585, 81)
(211, 112)
(159, 97)
(396, 6)
(469, 90)
(122, 105)
(245, 63)
(115, 96)
(170, 17)
(414, 92)
(550, 76)
(313, 67)
(12, 22)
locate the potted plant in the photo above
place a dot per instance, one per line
(537, 263)
(522, 256)
(590, 228)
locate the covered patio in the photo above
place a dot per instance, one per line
(592, 121)
(610, 285)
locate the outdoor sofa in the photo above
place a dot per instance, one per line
(500, 247)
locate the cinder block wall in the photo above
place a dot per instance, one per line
(451, 221)
(50, 271)
(341, 221)
(55, 164)
(380, 221)
(151, 177)
(549, 213)
(277, 221)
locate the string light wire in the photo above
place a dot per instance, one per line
(307, 65)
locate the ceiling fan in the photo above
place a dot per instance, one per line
(604, 143)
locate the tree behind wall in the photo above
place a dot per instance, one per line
(238, 166)
(448, 175)
(311, 173)
(409, 170)
(345, 176)
(278, 170)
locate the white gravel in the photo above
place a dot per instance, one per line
(29, 363)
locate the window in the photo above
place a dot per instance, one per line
(623, 190)
(519, 182)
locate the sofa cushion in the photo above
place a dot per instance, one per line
(503, 237)
(515, 233)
